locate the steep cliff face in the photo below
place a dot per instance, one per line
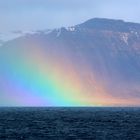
(101, 55)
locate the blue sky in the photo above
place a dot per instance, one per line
(44, 14)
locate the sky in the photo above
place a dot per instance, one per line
(28, 15)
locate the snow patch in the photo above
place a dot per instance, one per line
(71, 29)
(124, 37)
(137, 35)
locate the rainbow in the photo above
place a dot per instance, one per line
(30, 75)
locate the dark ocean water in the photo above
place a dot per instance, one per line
(69, 123)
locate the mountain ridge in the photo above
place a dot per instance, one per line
(100, 58)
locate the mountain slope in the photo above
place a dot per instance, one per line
(93, 63)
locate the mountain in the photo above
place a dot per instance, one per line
(93, 63)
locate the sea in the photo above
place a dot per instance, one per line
(69, 123)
